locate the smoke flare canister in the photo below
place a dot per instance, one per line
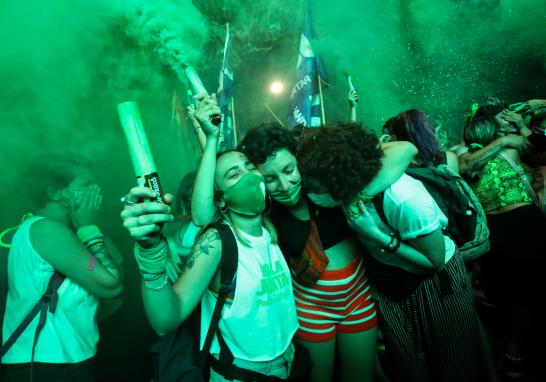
(141, 155)
(198, 89)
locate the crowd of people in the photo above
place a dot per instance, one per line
(312, 254)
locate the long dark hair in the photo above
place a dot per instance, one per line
(418, 128)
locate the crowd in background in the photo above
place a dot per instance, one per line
(352, 260)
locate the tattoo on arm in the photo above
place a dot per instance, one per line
(203, 246)
(102, 254)
(478, 159)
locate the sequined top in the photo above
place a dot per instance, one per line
(500, 186)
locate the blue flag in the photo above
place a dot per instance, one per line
(305, 106)
(228, 137)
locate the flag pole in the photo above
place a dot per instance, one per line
(233, 121)
(273, 114)
(321, 99)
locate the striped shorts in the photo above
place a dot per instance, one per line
(339, 302)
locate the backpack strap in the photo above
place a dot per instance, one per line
(48, 301)
(228, 268)
(378, 202)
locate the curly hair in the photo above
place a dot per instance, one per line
(343, 158)
(265, 140)
(418, 128)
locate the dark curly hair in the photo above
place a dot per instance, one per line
(418, 128)
(265, 140)
(343, 158)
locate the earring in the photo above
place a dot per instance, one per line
(268, 204)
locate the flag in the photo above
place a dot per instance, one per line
(228, 138)
(305, 99)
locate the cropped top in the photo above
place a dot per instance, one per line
(293, 233)
(500, 186)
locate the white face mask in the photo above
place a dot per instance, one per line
(324, 200)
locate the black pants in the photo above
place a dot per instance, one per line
(514, 268)
(49, 372)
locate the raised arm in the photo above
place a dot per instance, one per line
(202, 205)
(396, 159)
(353, 100)
(166, 306)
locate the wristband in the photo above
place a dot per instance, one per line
(88, 232)
(152, 260)
(394, 243)
(156, 284)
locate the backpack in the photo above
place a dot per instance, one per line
(467, 223)
(176, 355)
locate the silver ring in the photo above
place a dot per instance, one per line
(125, 200)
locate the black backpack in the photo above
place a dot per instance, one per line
(467, 223)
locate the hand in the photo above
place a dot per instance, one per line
(513, 117)
(85, 213)
(517, 142)
(144, 219)
(207, 106)
(360, 220)
(536, 103)
(352, 98)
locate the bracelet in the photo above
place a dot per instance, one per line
(152, 260)
(89, 232)
(393, 245)
(157, 284)
(151, 276)
(397, 243)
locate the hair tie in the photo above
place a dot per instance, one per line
(473, 109)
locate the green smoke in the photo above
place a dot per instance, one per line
(66, 65)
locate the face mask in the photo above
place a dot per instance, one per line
(247, 196)
(324, 200)
(290, 197)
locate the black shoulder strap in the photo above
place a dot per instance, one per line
(378, 204)
(228, 268)
(48, 301)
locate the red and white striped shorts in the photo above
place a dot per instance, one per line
(339, 302)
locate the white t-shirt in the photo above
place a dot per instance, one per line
(259, 322)
(70, 335)
(413, 212)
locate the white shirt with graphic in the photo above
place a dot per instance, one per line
(259, 322)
